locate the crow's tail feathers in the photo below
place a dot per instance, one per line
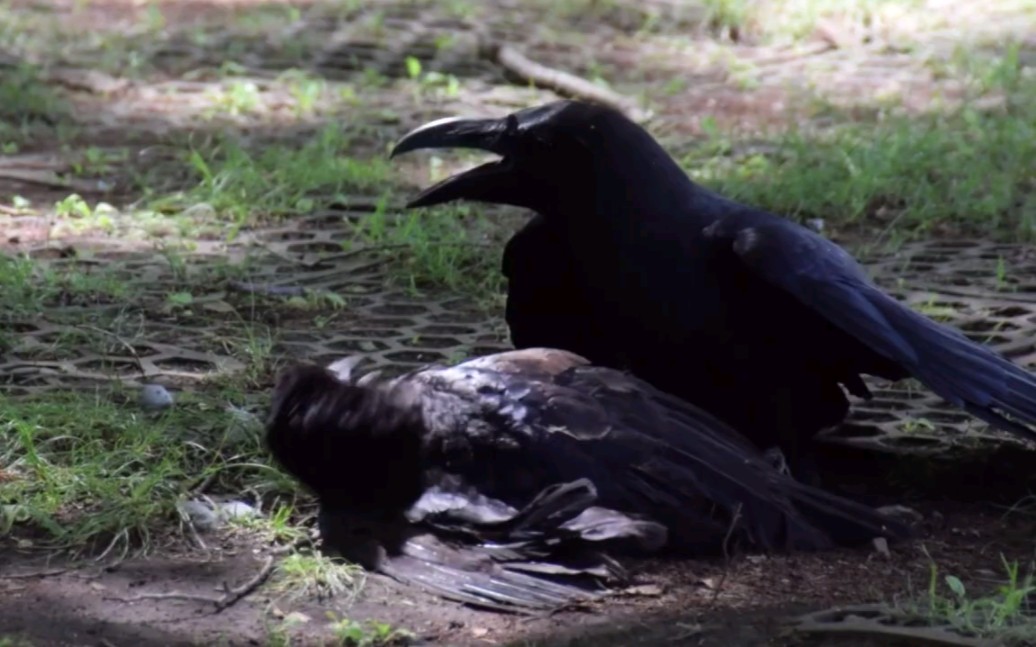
(845, 522)
(965, 373)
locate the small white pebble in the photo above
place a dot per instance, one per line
(155, 397)
(200, 210)
(236, 510)
(881, 545)
(201, 514)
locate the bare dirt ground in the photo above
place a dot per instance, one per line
(747, 601)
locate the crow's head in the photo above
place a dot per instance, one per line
(358, 448)
(553, 156)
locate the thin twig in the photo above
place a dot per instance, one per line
(230, 595)
(34, 574)
(235, 594)
(294, 545)
(560, 81)
(48, 179)
(726, 555)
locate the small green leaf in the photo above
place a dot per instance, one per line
(180, 298)
(955, 585)
(413, 67)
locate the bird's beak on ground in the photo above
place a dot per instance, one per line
(488, 182)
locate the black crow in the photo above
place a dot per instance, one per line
(543, 453)
(740, 311)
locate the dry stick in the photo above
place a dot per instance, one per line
(48, 179)
(726, 554)
(233, 595)
(33, 574)
(228, 599)
(561, 82)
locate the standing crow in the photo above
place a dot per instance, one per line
(528, 460)
(737, 310)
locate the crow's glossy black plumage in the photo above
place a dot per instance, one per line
(740, 311)
(499, 435)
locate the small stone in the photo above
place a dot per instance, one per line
(881, 545)
(236, 510)
(644, 590)
(201, 514)
(201, 211)
(155, 397)
(902, 513)
(105, 209)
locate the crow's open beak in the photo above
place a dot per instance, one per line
(488, 182)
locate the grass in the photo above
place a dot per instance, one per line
(28, 107)
(84, 470)
(1002, 615)
(968, 170)
(351, 633)
(29, 286)
(454, 247)
(315, 575)
(240, 183)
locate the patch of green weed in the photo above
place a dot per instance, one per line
(27, 286)
(452, 247)
(1002, 615)
(350, 633)
(317, 575)
(26, 105)
(241, 183)
(968, 170)
(85, 471)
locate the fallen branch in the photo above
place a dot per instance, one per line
(33, 574)
(49, 179)
(560, 81)
(230, 596)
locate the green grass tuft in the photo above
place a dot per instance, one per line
(969, 171)
(280, 179)
(83, 472)
(1002, 615)
(28, 286)
(27, 106)
(454, 247)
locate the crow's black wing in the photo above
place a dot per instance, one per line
(828, 280)
(482, 552)
(651, 453)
